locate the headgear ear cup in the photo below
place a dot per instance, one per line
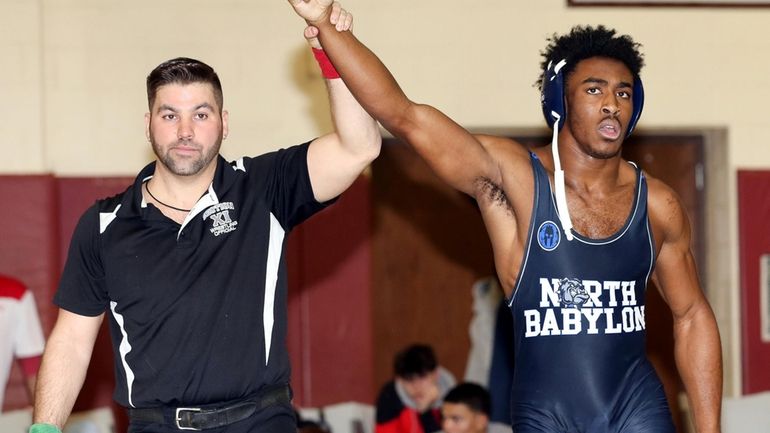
(553, 97)
(638, 99)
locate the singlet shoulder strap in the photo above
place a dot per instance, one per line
(540, 200)
(542, 182)
(640, 217)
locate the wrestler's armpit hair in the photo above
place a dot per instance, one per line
(494, 193)
(583, 42)
(183, 70)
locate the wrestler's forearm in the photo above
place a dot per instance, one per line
(455, 155)
(699, 360)
(366, 76)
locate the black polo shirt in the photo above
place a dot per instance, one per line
(197, 311)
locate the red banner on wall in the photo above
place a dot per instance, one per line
(754, 228)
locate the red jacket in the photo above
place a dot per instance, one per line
(393, 416)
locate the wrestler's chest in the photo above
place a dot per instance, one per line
(600, 217)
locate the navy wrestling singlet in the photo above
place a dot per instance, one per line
(579, 327)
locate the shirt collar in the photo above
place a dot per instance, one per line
(224, 176)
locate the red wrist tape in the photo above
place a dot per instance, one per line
(327, 69)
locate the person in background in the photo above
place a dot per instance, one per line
(21, 335)
(411, 402)
(467, 408)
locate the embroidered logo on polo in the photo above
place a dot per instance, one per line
(219, 214)
(548, 236)
(571, 306)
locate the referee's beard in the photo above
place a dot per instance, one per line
(186, 165)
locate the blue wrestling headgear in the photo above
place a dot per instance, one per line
(553, 98)
(554, 104)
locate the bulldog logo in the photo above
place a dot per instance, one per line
(572, 293)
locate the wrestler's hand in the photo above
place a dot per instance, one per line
(342, 20)
(312, 11)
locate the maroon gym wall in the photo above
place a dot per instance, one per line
(753, 216)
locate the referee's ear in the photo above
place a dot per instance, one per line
(225, 124)
(147, 126)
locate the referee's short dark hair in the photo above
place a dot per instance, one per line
(475, 396)
(183, 70)
(415, 361)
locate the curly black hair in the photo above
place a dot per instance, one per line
(584, 42)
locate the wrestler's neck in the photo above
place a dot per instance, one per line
(591, 165)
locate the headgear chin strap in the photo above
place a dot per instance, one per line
(558, 180)
(553, 101)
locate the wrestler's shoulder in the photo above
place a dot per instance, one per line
(666, 210)
(659, 194)
(504, 149)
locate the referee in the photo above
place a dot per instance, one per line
(187, 265)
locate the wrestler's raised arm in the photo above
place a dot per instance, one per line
(458, 157)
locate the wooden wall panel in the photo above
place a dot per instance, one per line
(430, 246)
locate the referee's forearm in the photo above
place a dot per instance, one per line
(64, 366)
